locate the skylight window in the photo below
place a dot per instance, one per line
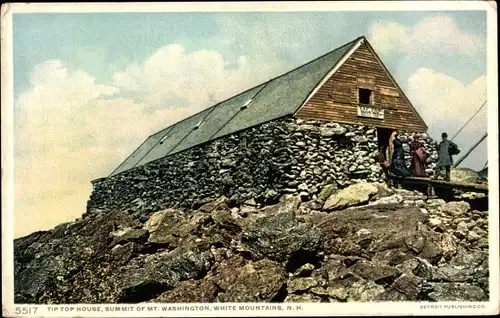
(247, 103)
(163, 139)
(199, 124)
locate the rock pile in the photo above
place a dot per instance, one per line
(285, 156)
(430, 146)
(467, 175)
(384, 244)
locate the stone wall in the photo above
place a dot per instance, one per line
(264, 162)
(284, 156)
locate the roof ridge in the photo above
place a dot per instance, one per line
(304, 75)
(262, 83)
(314, 60)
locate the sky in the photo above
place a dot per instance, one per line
(90, 87)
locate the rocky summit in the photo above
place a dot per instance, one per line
(363, 243)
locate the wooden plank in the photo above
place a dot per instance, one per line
(388, 101)
(476, 187)
(388, 91)
(366, 82)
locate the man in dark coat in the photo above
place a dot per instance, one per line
(445, 156)
(398, 166)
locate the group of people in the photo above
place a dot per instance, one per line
(394, 160)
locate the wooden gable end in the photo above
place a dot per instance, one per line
(363, 77)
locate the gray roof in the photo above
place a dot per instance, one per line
(278, 97)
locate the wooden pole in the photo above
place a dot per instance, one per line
(477, 111)
(459, 161)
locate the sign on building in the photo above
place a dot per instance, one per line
(371, 112)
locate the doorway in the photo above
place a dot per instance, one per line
(383, 135)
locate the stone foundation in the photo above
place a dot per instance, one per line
(284, 156)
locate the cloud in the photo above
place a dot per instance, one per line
(57, 101)
(69, 129)
(446, 104)
(435, 34)
(172, 77)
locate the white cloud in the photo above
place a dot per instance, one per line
(436, 34)
(58, 100)
(172, 77)
(447, 104)
(70, 130)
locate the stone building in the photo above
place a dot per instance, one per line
(321, 123)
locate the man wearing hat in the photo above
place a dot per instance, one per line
(446, 149)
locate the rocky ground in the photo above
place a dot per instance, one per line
(362, 243)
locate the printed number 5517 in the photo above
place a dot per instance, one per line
(25, 310)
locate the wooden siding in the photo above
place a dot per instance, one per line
(337, 99)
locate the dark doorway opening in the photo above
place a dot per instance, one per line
(383, 135)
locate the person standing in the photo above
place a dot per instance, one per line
(398, 166)
(446, 149)
(418, 159)
(389, 151)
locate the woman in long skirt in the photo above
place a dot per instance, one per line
(418, 160)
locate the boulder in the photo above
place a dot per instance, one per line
(190, 291)
(281, 237)
(409, 285)
(128, 235)
(304, 270)
(163, 225)
(364, 291)
(54, 268)
(448, 245)
(327, 191)
(456, 292)
(157, 218)
(393, 199)
(259, 281)
(455, 209)
(334, 292)
(369, 230)
(352, 195)
(301, 284)
(465, 175)
(431, 247)
(220, 203)
(473, 236)
(303, 298)
(163, 269)
(378, 273)
(450, 274)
